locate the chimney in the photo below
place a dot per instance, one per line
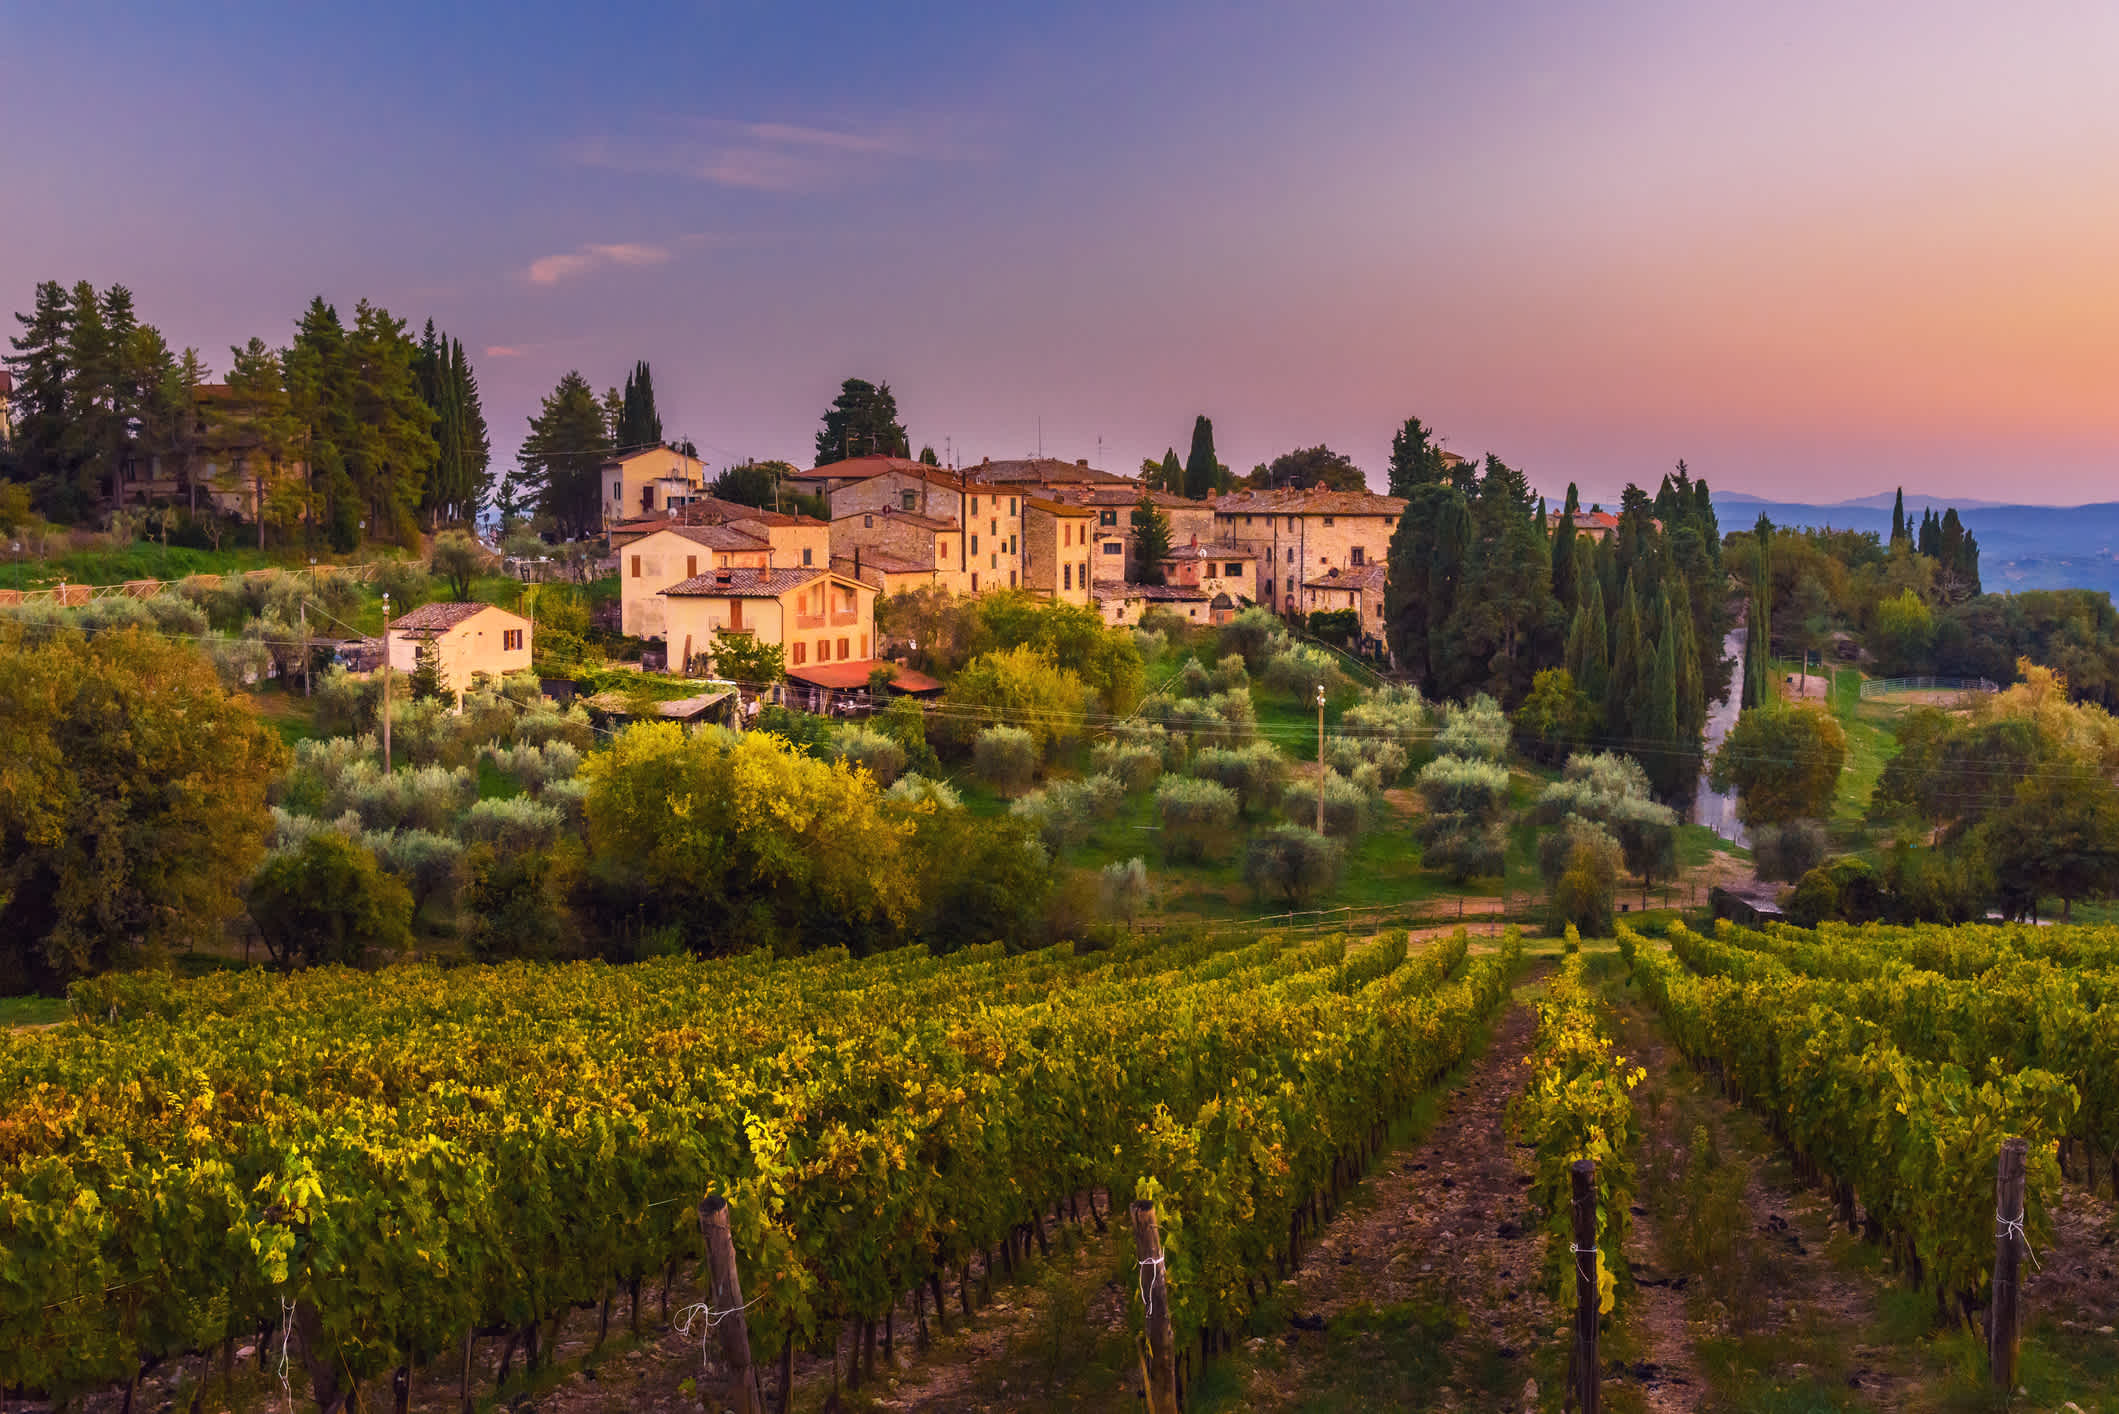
(1195, 540)
(1081, 461)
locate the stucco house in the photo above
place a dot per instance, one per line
(471, 641)
(1300, 534)
(815, 615)
(645, 482)
(1057, 549)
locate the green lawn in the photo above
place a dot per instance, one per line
(31, 1011)
(147, 560)
(1870, 744)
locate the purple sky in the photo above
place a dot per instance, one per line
(1815, 249)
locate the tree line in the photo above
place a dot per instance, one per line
(386, 430)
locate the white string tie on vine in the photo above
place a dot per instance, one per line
(1581, 1252)
(1157, 1263)
(2013, 1227)
(286, 1331)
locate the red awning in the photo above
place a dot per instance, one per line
(841, 676)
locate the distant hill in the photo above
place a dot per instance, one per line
(2020, 547)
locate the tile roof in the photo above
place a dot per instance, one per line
(1308, 502)
(1210, 552)
(713, 535)
(429, 619)
(1127, 494)
(861, 468)
(1035, 469)
(845, 675)
(663, 450)
(1058, 508)
(1354, 577)
(743, 584)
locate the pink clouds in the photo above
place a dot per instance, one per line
(551, 269)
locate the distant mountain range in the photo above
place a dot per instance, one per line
(2020, 547)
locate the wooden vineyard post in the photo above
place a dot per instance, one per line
(725, 1308)
(1155, 1300)
(2005, 1314)
(1588, 1302)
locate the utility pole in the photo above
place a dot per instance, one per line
(303, 610)
(386, 684)
(1320, 758)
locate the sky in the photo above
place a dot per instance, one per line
(1814, 249)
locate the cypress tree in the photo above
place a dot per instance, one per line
(1629, 667)
(1564, 588)
(1202, 468)
(1587, 660)
(1659, 729)
(1898, 516)
(639, 424)
(1691, 686)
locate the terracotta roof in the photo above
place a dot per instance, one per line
(1584, 520)
(873, 559)
(1210, 552)
(714, 536)
(7, 383)
(430, 619)
(1121, 495)
(1162, 593)
(1058, 508)
(1308, 502)
(909, 517)
(1042, 469)
(861, 468)
(743, 584)
(855, 674)
(1354, 577)
(708, 510)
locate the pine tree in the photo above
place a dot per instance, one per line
(862, 421)
(1202, 469)
(639, 424)
(1151, 538)
(1415, 459)
(928, 457)
(393, 446)
(253, 431)
(563, 454)
(319, 384)
(426, 669)
(1427, 565)
(38, 408)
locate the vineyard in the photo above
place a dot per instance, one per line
(375, 1177)
(379, 1181)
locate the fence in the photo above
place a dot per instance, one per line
(1884, 687)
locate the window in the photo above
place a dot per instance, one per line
(1231, 570)
(1066, 535)
(1107, 517)
(1389, 521)
(801, 653)
(974, 505)
(843, 655)
(993, 562)
(974, 581)
(806, 554)
(1246, 520)
(1113, 547)
(1066, 576)
(1011, 579)
(974, 543)
(864, 645)
(1291, 522)
(1357, 552)
(1291, 554)
(691, 566)
(1268, 589)
(511, 640)
(1011, 505)
(636, 567)
(868, 522)
(824, 650)
(993, 527)
(909, 499)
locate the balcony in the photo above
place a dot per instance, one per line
(845, 617)
(809, 620)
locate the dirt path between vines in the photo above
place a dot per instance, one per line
(1744, 1279)
(1424, 1291)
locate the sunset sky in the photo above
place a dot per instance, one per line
(1814, 249)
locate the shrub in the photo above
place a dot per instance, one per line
(1583, 895)
(426, 861)
(1463, 848)
(1135, 766)
(176, 615)
(1230, 674)
(1346, 805)
(1023, 688)
(547, 723)
(804, 731)
(1784, 853)
(1150, 643)
(1155, 737)
(1061, 813)
(567, 797)
(513, 824)
(1196, 814)
(1344, 753)
(904, 723)
(1394, 712)
(1254, 772)
(1300, 668)
(914, 789)
(1239, 717)
(1005, 758)
(1290, 863)
(1193, 680)
(879, 755)
(1477, 729)
(1122, 889)
(1255, 635)
(240, 661)
(1107, 795)
(406, 582)
(1557, 846)
(514, 903)
(326, 900)
(1458, 785)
